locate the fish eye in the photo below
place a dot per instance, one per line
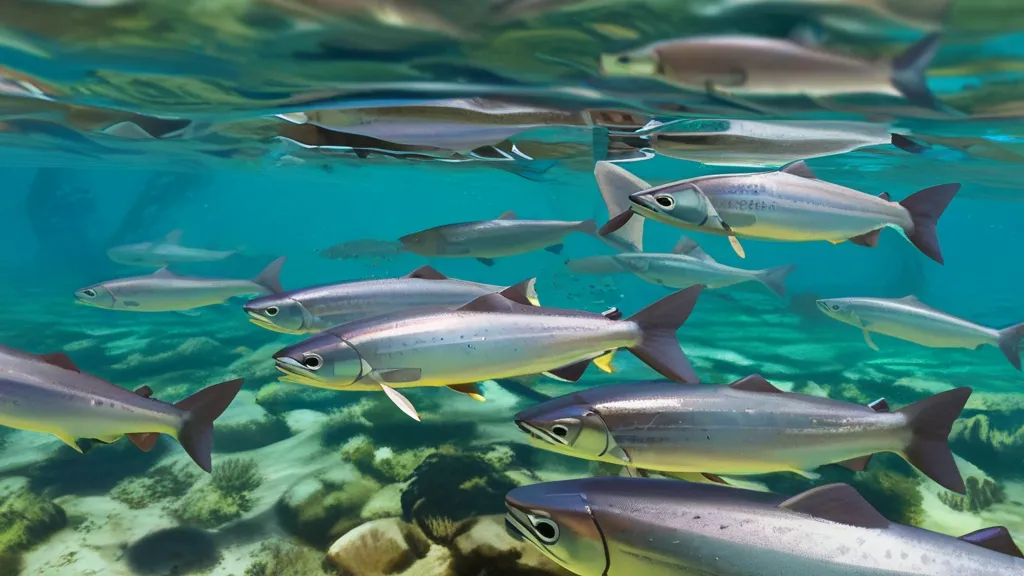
(271, 311)
(90, 293)
(624, 59)
(313, 362)
(547, 531)
(665, 201)
(559, 430)
(835, 307)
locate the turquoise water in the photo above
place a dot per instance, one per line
(145, 118)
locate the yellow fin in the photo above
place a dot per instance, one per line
(471, 390)
(65, 438)
(736, 247)
(871, 343)
(605, 362)
(836, 242)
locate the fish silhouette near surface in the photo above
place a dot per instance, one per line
(164, 253)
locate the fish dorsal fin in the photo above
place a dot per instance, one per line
(839, 503)
(488, 303)
(880, 405)
(755, 383)
(520, 293)
(996, 538)
(687, 247)
(173, 237)
(144, 391)
(885, 196)
(164, 273)
(799, 168)
(508, 215)
(913, 301)
(426, 273)
(59, 359)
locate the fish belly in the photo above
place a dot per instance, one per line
(932, 332)
(677, 276)
(773, 217)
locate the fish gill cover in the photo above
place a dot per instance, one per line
(376, 287)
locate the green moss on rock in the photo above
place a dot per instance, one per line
(26, 519)
(159, 484)
(226, 496)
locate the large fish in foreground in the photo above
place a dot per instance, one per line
(494, 336)
(790, 205)
(489, 239)
(914, 321)
(748, 427)
(612, 526)
(316, 309)
(164, 253)
(165, 291)
(49, 394)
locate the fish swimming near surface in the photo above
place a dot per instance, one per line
(316, 309)
(163, 254)
(914, 321)
(747, 427)
(609, 526)
(165, 291)
(492, 337)
(489, 239)
(790, 205)
(686, 266)
(752, 65)
(49, 394)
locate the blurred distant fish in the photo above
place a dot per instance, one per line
(164, 291)
(751, 65)
(687, 266)
(359, 249)
(488, 239)
(49, 394)
(914, 321)
(860, 17)
(164, 253)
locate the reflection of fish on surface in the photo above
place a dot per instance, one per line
(49, 394)
(369, 248)
(610, 526)
(859, 17)
(163, 253)
(747, 427)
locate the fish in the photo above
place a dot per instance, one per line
(686, 266)
(612, 526)
(492, 337)
(616, 185)
(792, 205)
(163, 254)
(49, 394)
(747, 427)
(910, 319)
(489, 239)
(165, 291)
(861, 18)
(310, 310)
(752, 65)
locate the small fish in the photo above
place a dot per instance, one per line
(489, 239)
(49, 394)
(790, 205)
(492, 337)
(610, 526)
(687, 266)
(316, 309)
(747, 427)
(164, 291)
(914, 321)
(751, 65)
(163, 254)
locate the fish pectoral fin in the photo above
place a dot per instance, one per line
(70, 442)
(839, 503)
(401, 401)
(755, 383)
(396, 375)
(858, 464)
(471, 390)
(867, 338)
(570, 373)
(995, 538)
(715, 217)
(60, 360)
(604, 362)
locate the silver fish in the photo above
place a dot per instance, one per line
(914, 321)
(687, 266)
(316, 309)
(489, 239)
(494, 336)
(752, 65)
(610, 526)
(163, 254)
(747, 427)
(49, 394)
(791, 205)
(164, 291)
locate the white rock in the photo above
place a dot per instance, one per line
(377, 548)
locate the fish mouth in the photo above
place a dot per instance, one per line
(539, 434)
(264, 323)
(823, 305)
(294, 372)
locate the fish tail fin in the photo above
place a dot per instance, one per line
(1009, 343)
(202, 408)
(925, 208)
(908, 71)
(270, 277)
(587, 227)
(616, 185)
(930, 422)
(658, 347)
(595, 265)
(775, 278)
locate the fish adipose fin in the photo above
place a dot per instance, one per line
(996, 538)
(203, 407)
(839, 503)
(908, 71)
(426, 273)
(867, 338)
(858, 464)
(1009, 343)
(925, 208)
(616, 185)
(59, 359)
(270, 277)
(755, 383)
(471, 390)
(775, 278)
(658, 347)
(930, 421)
(570, 373)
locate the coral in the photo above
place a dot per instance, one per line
(281, 558)
(455, 486)
(160, 483)
(236, 475)
(981, 494)
(26, 519)
(224, 497)
(250, 435)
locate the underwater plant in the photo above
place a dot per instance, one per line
(455, 486)
(159, 483)
(440, 529)
(26, 519)
(282, 558)
(226, 496)
(981, 494)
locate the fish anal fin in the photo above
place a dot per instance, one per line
(839, 503)
(996, 538)
(570, 373)
(799, 168)
(145, 441)
(507, 215)
(858, 464)
(880, 405)
(67, 439)
(604, 362)
(755, 383)
(870, 342)
(471, 390)
(426, 272)
(401, 401)
(869, 239)
(59, 359)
